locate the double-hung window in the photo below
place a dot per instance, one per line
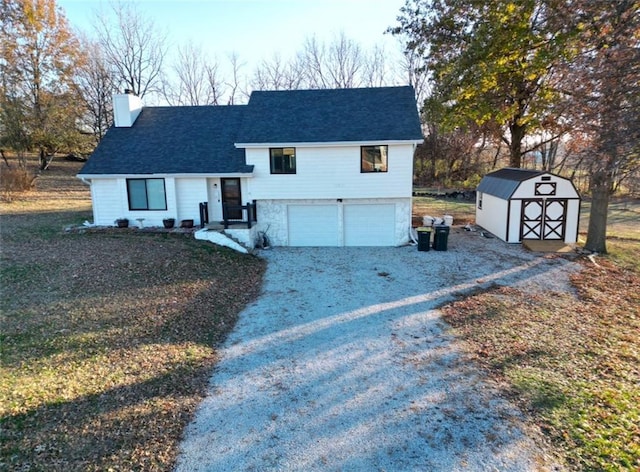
(373, 159)
(146, 194)
(283, 160)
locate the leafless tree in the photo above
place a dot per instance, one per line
(196, 79)
(96, 82)
(236, 91)
(133, 47)
(313, 60)
(415, 72)
(277, 74)
(214, 82)
(340, 63)
(334, 65)
(344, 62)
(375, 72)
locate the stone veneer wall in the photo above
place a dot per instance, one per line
(272, 216)
(245, 236)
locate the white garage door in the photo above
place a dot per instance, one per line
(313, 225)
(369, 225)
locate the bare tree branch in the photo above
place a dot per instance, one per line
(133, 48)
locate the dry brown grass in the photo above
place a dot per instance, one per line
(570, 360)
(15, 181)
(108, 338)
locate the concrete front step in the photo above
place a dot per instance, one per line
(217, 237)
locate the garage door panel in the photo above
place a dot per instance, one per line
(369, 225)
(313, 225)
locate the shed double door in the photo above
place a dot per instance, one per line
(544, 219)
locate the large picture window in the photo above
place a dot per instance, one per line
(283, 160)
(373, 159)
(146, 194)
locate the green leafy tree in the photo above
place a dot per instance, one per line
(490, 61)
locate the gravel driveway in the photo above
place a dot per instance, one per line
(343, 364)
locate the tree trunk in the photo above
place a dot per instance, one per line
(597, 233)
(4, 158)
(515, 146)
(43, 160)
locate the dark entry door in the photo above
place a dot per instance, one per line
(231, 196)
(543, 219)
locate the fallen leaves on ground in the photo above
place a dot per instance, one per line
(570, 360)
(108, 338)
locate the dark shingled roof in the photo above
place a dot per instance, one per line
(313, 116)
(173, 140)
(502, 183)
(200, 140)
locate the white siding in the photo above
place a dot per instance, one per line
(215, 199)
(331, 172)
(573, 217)
(515, 221)
(110, 201)
(492, 215)
(107, 201)
(190, 192)
(564, 188)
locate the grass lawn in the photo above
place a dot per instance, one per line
(108, 339)
(570, 361)
(463, 212)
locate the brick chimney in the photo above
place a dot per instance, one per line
(126, 108)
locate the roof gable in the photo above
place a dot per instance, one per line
(331, 115)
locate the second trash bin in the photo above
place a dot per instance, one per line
(440, 237)
(424, 238)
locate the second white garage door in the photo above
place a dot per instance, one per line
(369, 225)
(362, 225)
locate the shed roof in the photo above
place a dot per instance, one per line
(173, 140)
(314, 116)
(504, 182)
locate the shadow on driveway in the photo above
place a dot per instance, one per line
(343, 363)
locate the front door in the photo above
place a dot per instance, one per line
(231, 195)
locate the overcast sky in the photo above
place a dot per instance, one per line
(256, 29)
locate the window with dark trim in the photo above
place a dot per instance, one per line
(283, 160)
(146, 194)
(373, 158)
(479, 200)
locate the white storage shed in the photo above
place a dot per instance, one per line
(519, 204)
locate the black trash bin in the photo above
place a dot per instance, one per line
(424, 239)
(440, 237)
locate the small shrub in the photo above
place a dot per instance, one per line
(13, 181)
